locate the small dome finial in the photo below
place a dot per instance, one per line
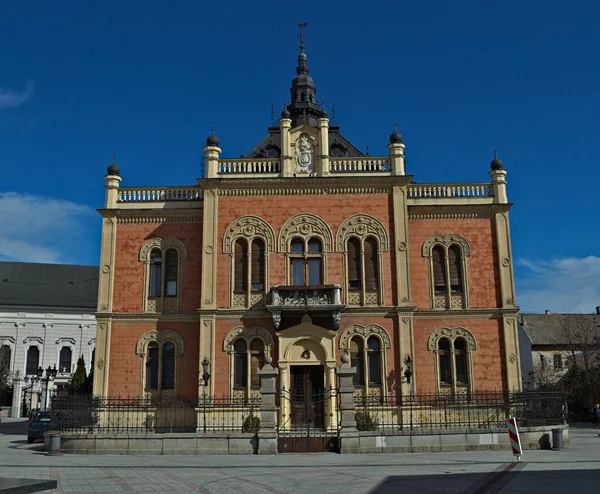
(212, 140)
(496, 164)
(323, 111)
(285, 113)
(113, 169)
(395, 137)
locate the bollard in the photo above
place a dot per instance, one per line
(54, 449)
(557, 439)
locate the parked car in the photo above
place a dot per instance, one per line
(39, 423)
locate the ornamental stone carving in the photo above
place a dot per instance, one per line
(248, 227)
(162, 244)
(248, 334)
(446, 241)
(452, 334)
(305, 225)
(365, 332)
(361, 225)
(304, 155)
(159, 337)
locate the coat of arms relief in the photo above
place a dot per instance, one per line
(304, 155)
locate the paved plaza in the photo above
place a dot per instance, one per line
(576, 469)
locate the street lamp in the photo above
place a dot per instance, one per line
(204, 383)
(50, 375)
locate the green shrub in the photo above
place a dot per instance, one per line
(365, 421)
(251, 424)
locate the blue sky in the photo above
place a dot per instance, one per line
(80, 81)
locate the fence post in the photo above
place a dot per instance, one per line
(349, 441)
(267, 434)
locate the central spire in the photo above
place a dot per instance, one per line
(303, 108)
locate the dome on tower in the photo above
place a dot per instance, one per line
(395, 137)
(212, 139)
(496, 164)
(113, 169)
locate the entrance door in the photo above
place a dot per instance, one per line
(305, 428)
(307, 397)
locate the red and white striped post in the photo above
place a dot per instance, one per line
(515, 440)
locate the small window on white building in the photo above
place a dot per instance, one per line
(558, 362)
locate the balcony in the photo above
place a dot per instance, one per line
(295, 300)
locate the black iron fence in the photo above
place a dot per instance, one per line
(434, 412)
(128, 415)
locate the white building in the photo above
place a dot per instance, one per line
(46, 320)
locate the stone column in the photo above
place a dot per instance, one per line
(323, 169)
(397, 158)
(17, 397)
(287, 169)
(267, 435)
(349, 441)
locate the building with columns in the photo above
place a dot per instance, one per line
(299, 252)
(46, 321)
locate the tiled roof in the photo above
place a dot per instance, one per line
(553, 329)
(58, 285)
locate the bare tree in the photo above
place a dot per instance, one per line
(581, 337)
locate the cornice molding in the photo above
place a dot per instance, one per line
(154, 216)
(105, 317)
(257, 183)
(456, 211)
(489, 313)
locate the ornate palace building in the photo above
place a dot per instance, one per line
(302, 251)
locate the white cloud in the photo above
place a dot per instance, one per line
(12, 99)
(568, 284)
(42, 229)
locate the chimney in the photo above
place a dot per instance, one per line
(548, 312)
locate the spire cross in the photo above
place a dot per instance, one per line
(114, 159)
(213, 130)
(495, 154)
(302, 25)
(332, 111)
(272, 112)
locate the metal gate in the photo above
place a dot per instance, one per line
(308, 413)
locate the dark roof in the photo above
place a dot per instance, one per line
(270, 146)
(59, 285)
(553, 329)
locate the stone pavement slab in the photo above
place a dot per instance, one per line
(577, 468)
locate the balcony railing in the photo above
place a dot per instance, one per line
(306, 299)
(437, 191)
(359, 165)
(159, 194)
(244, 166)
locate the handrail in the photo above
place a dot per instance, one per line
(159, 194)
(417, 191)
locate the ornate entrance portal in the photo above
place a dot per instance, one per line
(308, 408)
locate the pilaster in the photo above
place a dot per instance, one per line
(512, 359)
(323, 146)
(285, 124)
(499, 186)
(397, 158)
(400, 246)
(211, 161)
(102, 357)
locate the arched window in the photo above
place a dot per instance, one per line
(171, 268)
(374, 357)
(357, 360)
(460, 361)
(241, 266)
(33, 361)
(162, 259)
(152, 366)
(447, 270)
(155, 273)
(240, 364)
(258, 265)
(306, 262)
(444, 365)
(354, 264)
(65, 359)
(5, 356)
(363, 271)
(257, 360)
(453, 349)
(168, 366)
(247, 348)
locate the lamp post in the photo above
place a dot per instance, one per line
(50, 375)
(204, 382)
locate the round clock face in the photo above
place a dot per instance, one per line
(271, 153)
(336, 151)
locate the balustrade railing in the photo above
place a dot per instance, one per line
(417, 191)
(358, 165)
(249, 166)
(159, 194)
